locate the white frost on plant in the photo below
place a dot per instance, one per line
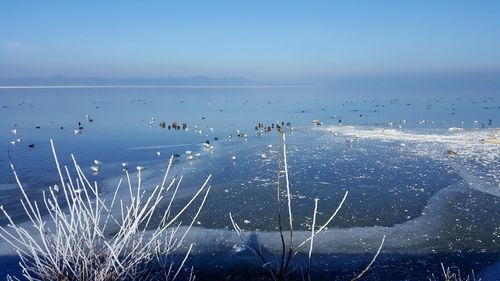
(87, 237)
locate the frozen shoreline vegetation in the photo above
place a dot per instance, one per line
(279, 270)
(83, 237)
(447, 225)
(86, 237)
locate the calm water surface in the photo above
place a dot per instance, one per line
(401, 182)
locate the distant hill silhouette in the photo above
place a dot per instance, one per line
(133, 81)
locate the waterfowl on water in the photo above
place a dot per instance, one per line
(206, 144)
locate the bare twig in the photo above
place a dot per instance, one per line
(288, 251)
(373, 260)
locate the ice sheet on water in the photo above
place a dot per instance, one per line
(411, 193)
(388, 185)
(477, 156)
(432, 232)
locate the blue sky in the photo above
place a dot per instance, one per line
(261, 40)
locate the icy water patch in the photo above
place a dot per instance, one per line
(432, 207)
(386, 186)
(427, 203)
(475, 154)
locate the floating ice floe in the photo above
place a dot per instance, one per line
(316, 122)
(455, 129)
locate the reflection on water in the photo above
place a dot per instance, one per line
(394, 161)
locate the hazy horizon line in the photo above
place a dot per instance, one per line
(151, 86)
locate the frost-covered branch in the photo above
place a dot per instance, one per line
(83, 237)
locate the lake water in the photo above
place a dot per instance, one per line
(390, 153)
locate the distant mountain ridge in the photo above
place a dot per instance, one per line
(134, 81)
